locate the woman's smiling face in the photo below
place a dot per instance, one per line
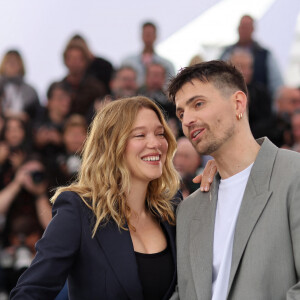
(146, 148)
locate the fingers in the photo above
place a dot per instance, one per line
(208, 175)
(197, 179)
(21, 176)
(212, 173)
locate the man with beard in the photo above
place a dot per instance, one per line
(242, 239)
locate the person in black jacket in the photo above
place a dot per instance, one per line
(112, 233)
(260, 102)
(265, 68)
(98, 67)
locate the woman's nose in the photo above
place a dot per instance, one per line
(154, 142)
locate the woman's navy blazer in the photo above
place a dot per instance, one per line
(103, 267)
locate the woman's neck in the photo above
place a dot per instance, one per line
(137, 199)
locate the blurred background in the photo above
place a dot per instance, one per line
(62, 61)
(40, 29)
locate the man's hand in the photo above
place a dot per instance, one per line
(206, 178)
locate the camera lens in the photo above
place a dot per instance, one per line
(38, 176)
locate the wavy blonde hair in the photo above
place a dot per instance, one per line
(103, 181)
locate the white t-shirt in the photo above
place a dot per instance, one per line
(230, 196)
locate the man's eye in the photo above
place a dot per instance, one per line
(198, 104)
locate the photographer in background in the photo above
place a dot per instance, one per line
(48, 127)
(15, 142)
(69, 160)
(26, 208)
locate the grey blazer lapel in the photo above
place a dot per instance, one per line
(201, 241)
(256, 196)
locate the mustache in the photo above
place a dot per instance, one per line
(197, 126)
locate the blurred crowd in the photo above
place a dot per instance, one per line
(40, 145)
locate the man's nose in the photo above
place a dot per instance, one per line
(188, 119)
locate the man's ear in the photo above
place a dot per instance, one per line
(240, 102)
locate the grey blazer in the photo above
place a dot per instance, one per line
(266, 249)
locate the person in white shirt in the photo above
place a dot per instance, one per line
(241, 240)
(148, 56)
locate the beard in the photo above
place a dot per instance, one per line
(211, 142)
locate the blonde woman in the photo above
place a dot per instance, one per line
(112, 233)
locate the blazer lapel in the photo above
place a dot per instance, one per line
(201, 241)
(256, 196)
(171, 232)
(118, 248)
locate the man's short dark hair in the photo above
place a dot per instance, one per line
(155, 64)
(224, 76)
(247, 16)
(58, 85)
(149, 24)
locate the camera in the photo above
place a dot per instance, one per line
(38, 176)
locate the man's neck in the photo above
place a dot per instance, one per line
(74, 79)
(236, 156)
(148, 50)
(56, 117)
(247, 43)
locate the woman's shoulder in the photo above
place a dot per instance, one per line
(68, 198)
(69, 195)
(73, 200)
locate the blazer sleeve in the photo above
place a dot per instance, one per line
(294, 217)
(56, 252)
(178, 198)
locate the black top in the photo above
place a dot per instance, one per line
(156, 273)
